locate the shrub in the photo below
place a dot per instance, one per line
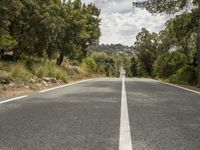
(20, 71)
(61, 75)
(89, 64)
(39, 70)
(185, 75)
(141, 71)
(100, 59)
(51, 70)
(168, 64)
(30, 62)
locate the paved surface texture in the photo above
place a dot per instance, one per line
(163, 117)
(86, 116)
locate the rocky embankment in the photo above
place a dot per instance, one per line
(8, 87)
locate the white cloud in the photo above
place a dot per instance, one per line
(121, 22)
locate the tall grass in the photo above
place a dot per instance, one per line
(49, 69)
(29, 68)
(19, 70)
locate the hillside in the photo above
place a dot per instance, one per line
(113, 49)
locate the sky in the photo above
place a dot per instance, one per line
(120, 22)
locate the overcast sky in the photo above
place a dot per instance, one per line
(121, 23)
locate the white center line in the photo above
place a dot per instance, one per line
(125, 142)
(13, 99)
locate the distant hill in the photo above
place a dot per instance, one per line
(113, 49)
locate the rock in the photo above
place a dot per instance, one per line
(20, 85)
(45, 83)
(54, 80)
(32, 80)
(12, 84)
(27, 87)
(35, 77)
(5, 88)
(36, 86)
(60, 81)
(47, 79)
(6, 81)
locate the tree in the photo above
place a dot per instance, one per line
(41, 29)
(183, 29)
(146, 50)
(171, 6)
(80, 29)
(100, 58)
(9, 9)
(168, 63)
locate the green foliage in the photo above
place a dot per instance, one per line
(49, 69)
(169, 63)
(110, 65)
(9, 10)
(185, 28)
(6, 41)
(146, 50)
(158, 6)
(40, 28)
(100, 59)
(81, 28)
(172, 53)
(185, 75)
(90, 64)
(20, 71)
(23, 70)
(111, 68)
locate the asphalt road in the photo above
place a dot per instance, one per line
(95, 115)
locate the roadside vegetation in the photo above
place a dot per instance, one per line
(43, 43)
(48, 43)
(172, 55)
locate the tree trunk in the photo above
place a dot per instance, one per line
(15, 54)
(60, 59)
(49, 53)
(198, 50)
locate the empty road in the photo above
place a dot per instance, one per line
(103, 114)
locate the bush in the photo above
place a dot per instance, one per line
(168, 64)
(185, 75)
(89, 64)
(20, 71)
(30, 62)
(39, 70)
(51, 70)
(141, 71)
(100, 59)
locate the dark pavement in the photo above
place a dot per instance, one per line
(86, 116)
(163, 117)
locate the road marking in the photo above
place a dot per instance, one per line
(13, 99)
(125, 142)
(178, 86)
(64, 85)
